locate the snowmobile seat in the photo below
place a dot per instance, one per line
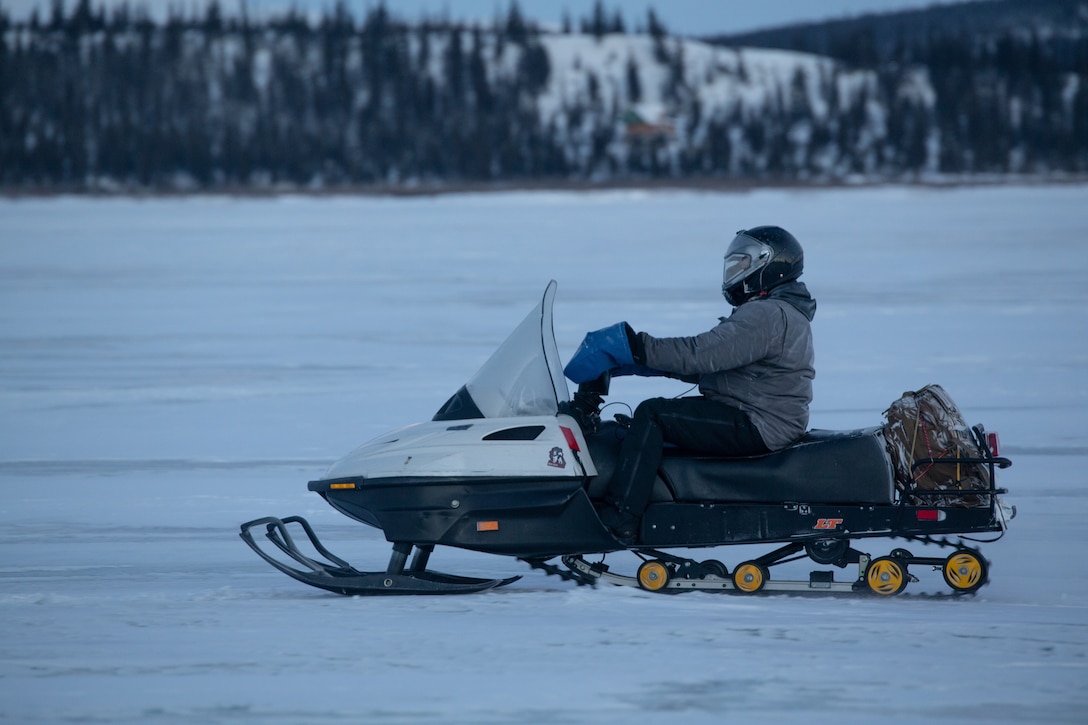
(823, 467)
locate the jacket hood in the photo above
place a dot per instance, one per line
(796, 294)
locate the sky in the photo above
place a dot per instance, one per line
(686, 17)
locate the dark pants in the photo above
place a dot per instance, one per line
(696, 424)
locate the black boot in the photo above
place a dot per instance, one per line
(624, 525)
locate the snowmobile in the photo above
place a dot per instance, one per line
(513, 465)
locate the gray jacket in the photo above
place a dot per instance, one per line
(759, 359)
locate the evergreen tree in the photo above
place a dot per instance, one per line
(598, 23)
(516, 29)
(634, 83)
(212, 99)
(654, 26)
(534, 69)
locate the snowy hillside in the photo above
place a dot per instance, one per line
(120, 100)
(693, 95)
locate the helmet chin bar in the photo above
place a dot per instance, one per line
(745, 293)
(747, 290)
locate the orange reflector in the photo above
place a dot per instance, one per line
(487, 525)
(341, 485)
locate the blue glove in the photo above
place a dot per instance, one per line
(636, 369)
(600, 351)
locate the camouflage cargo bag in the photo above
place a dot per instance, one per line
(926, 424)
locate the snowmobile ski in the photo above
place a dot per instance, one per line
(400, 577)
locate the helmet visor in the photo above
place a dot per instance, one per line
(745, 256)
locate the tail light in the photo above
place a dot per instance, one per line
(994, 444)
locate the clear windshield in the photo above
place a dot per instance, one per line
(522, 377)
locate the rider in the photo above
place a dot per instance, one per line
(754, 370)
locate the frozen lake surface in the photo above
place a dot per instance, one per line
(170, 368)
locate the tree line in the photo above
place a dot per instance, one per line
(93, 98)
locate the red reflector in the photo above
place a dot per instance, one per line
(487, 525)
(571, 440)
(928, 515)
(994, 443)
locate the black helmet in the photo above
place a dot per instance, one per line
(759, 259)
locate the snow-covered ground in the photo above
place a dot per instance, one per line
(170, 368)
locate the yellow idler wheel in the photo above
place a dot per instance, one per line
(750, 577)
(653, 576)
(964, 571)
(886, 576)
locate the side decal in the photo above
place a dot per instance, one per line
(827, 523)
